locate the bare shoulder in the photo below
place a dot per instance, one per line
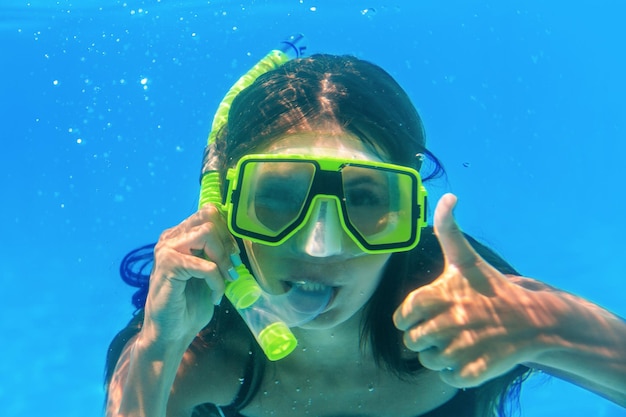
(529, 283)
(210, 372)
(115, 388)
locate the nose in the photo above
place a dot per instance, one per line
(322, 235)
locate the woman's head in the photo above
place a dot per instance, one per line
(325, 106)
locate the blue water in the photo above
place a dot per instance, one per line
(105, 108)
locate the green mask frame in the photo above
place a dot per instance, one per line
(381, 206)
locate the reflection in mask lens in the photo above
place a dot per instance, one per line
(379, 204)
(280, 191)
(367, 198)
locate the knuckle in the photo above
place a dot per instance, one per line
(415, 334)
(208, 212)
(162, 250)
(212, 268)
(408, 340)
(168, 234)
(208, 228)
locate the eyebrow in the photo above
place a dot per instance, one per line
(273, 179)
(365, 179)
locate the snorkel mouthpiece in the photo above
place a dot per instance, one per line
(306, 305)
(254, 306)
(270, 317)
(269, 329)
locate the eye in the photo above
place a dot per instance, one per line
(366, 197)
(367, 205)
(278, 197)
(277, 204)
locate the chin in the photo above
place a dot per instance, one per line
(325, 321)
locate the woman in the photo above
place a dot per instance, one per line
(444, 328)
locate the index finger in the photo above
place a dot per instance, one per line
(421, 304)
(211, 213)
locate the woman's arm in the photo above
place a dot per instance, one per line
(143, 378)
(586, 344)
(473, 323)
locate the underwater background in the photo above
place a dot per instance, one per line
(105, 108)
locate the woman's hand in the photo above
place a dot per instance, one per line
(191, 262)
(472, 323)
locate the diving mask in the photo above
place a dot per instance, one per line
(382, 207)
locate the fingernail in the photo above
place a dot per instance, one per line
(233, 273)
(217, 300)
(236, 259)
(216, 297)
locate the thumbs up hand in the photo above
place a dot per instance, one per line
(472, 323)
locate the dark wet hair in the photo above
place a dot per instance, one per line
(360, 98)
(307, 94)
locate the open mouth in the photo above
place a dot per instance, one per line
(309, 296)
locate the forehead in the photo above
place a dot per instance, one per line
(338, 145)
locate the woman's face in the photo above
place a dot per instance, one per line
(320, 254)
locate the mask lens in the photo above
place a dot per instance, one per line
(378, 204)
(273, 195)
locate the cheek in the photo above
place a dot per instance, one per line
(365, 275)
(370, 267)
(265, 263)
(263, 256)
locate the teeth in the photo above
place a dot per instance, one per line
(310, 286)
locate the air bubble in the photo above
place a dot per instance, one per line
(370, 11)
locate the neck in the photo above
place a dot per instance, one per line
(338, 343)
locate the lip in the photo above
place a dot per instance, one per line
(327, 272)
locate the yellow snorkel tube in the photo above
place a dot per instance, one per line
(272, 334)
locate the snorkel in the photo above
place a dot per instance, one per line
(268, 316)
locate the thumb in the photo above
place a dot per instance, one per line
(456, 249)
